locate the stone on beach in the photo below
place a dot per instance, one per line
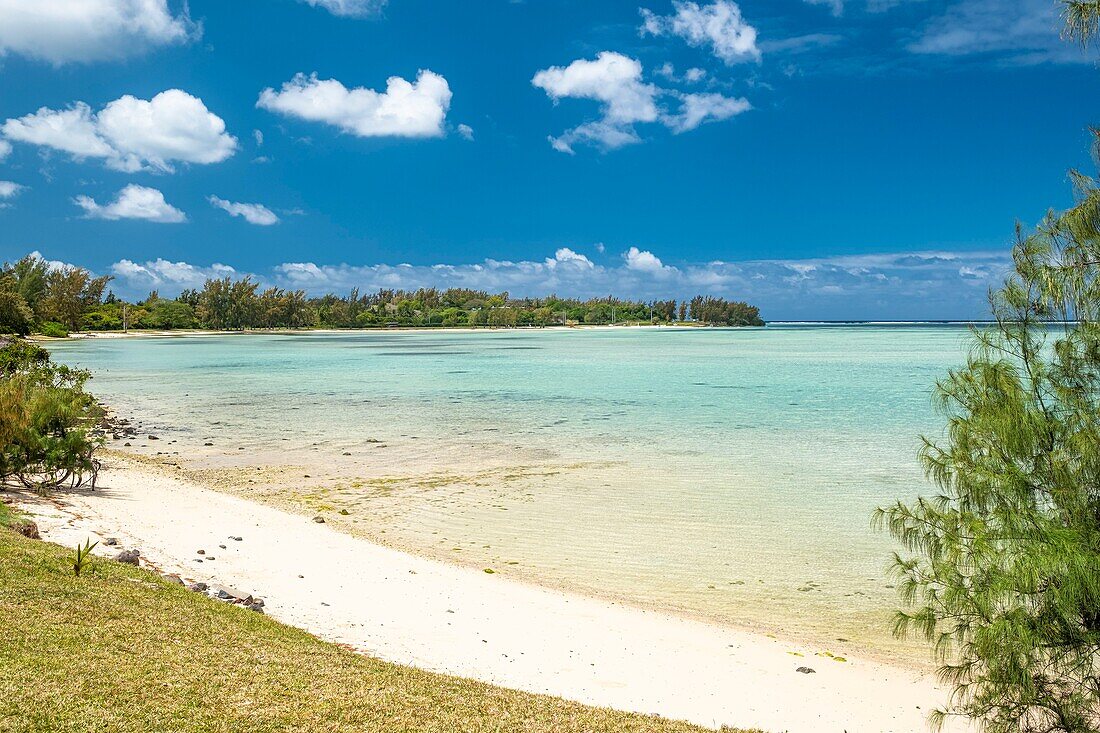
(28, 529)
(129, 557)
(232, 594)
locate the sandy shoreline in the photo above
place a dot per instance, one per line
(261, 478)
(446, 618)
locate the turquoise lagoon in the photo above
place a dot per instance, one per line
(728, 474)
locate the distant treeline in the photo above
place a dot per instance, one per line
(37, 298)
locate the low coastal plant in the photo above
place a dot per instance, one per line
(83, 557)
(46, 421)
(53, 329)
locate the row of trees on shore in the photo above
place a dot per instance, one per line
(37, 297)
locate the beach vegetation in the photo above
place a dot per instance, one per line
(125, 650)
(16, 317)
(53, 329)
(47, 421)
(1003, 570)
(721, 312)
(1003, 565)
(53, 300)
(83, 557)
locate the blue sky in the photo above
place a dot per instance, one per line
(834, 159)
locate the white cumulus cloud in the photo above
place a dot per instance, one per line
(612, 78)
(466, 132)
(566, 257)
(5, 149)
(257, 214)
(133, 202)
(61, 31)
(643, 261)
(131, 134)
(616, 81)
(718, 26)
(160, 273)
(405, 109)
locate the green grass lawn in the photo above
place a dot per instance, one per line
(120, 649)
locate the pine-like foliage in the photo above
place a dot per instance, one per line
(46, 421)
(1082, 19)
(1004, 572)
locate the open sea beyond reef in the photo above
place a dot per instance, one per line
(729, 474)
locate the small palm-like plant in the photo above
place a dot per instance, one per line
(83, 557)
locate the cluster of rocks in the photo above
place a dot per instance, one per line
(133, 557)
(219, 592)
(119, 428)
(229, 595)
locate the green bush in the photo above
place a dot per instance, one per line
(53, 329)
(15, 315)
(164, 314)
(46, 419)
(452, 317)
(101, 320)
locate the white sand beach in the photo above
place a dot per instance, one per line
(445, 618)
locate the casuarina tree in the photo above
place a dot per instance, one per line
(1002, 570)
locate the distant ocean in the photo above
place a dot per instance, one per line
(729, 474)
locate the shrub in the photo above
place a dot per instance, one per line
(53, 329)
(46, 419)
(101, 319)
(15, 315)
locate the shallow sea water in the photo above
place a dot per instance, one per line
(729, 474)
